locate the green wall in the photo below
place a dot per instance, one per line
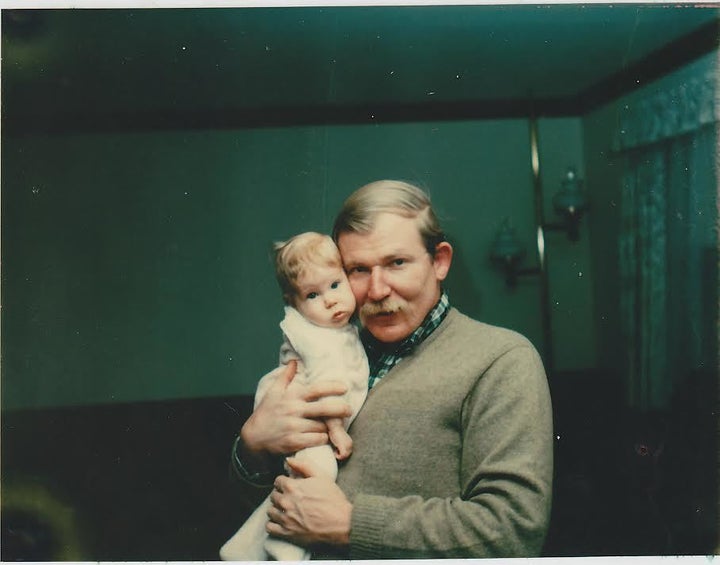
(137, 266)
(604, 173)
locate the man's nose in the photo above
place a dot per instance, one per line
(378, 288)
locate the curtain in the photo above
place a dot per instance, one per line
(668, 235)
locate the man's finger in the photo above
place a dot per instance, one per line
(273, 513)
(327, 408)
(275, 529)
(310, 439)
(307, 425)
(322, 389)
(281, 378)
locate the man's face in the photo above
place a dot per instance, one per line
(394, 279)
(324, 296)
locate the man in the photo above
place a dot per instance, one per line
(452, 451)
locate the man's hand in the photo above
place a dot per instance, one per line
(289, 417)
(309, 510)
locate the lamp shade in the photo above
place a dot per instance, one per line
(506, 247)
(570, 200)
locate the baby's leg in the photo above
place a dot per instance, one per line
(320, 459)
(280, 550)
(247, 544)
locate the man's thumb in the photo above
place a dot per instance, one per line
(300, 468)
(288, 374)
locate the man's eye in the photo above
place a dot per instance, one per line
(357, 270)
(398, 262)
(311, 295)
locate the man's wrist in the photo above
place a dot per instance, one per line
(344, 537)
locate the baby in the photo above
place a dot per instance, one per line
(317, 333)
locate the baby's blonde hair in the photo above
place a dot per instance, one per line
(294, 256)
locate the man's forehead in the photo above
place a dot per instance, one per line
(391, 235)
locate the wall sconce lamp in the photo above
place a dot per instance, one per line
(507, 254)
(570, 203)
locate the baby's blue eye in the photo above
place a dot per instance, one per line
(311, 295)
(335, 284)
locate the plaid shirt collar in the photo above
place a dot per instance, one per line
(382, 357)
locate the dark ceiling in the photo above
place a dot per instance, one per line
(223, 67)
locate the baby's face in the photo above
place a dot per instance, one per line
(324, 296)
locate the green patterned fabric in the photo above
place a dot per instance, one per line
(667, 244)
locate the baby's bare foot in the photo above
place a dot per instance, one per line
(343, 447)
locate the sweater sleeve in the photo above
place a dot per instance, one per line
(505, 478)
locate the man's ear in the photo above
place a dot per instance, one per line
(442, 259)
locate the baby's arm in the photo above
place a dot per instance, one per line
(339, 437)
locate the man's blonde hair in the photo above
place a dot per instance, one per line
(294, 256)
(362, 207)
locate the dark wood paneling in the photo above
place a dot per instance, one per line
(145, 481)
(150, 481)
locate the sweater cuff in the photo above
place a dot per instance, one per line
(255, 477)
(367, 525)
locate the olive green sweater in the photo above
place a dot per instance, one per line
(453, 449)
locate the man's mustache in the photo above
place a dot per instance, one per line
(386, 306)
